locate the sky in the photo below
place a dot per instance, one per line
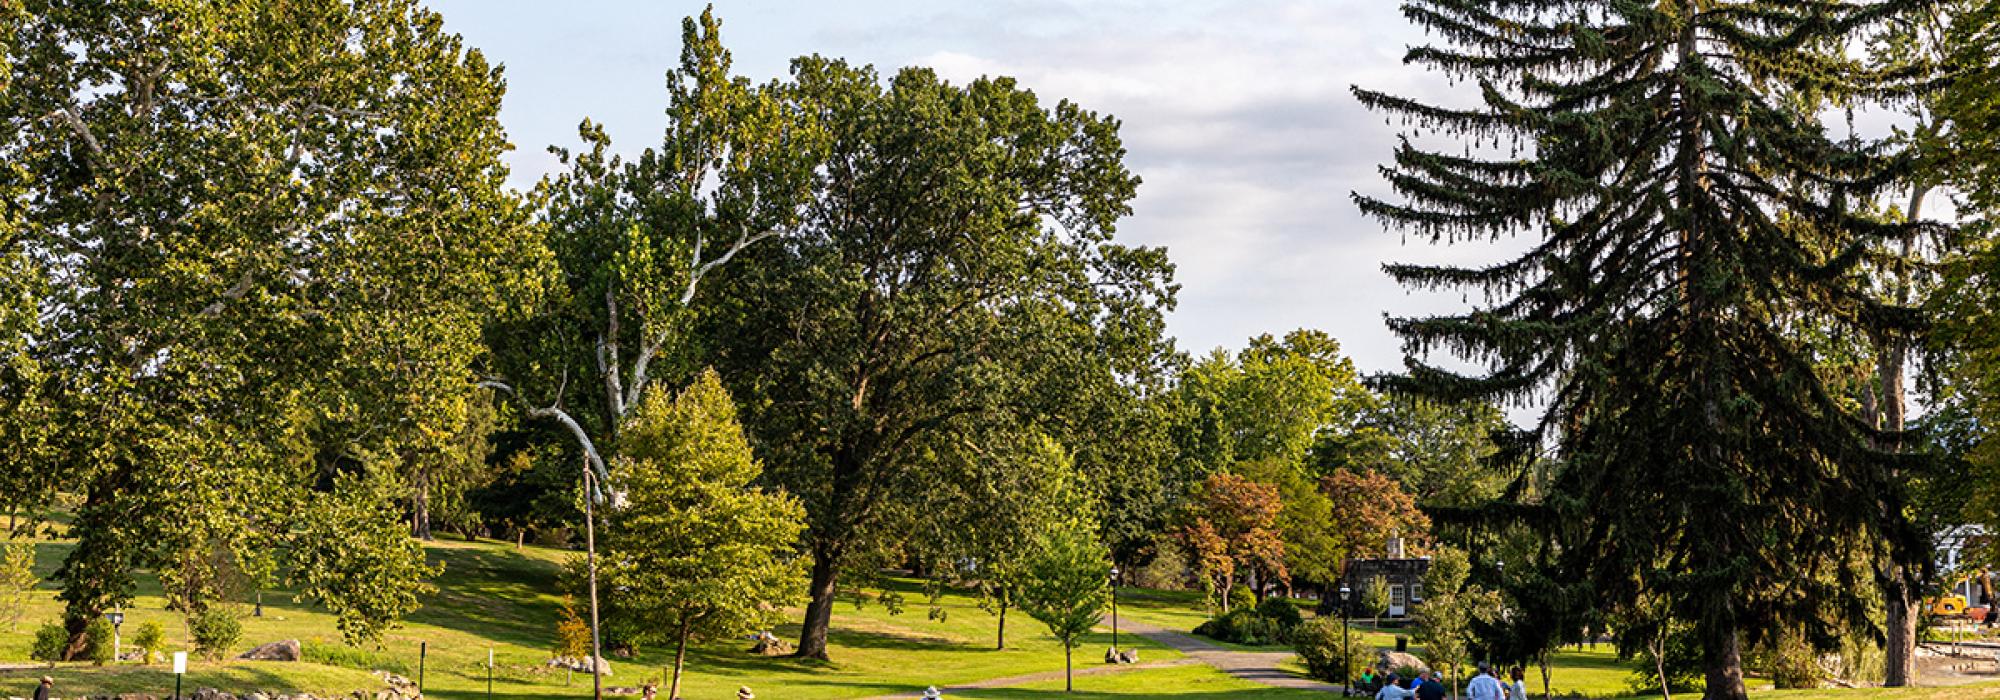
(1236, 114)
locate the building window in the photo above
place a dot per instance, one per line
(1396, 599)
(1416, 592)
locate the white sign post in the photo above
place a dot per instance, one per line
(180, 669)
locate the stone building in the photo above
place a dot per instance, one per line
(1404, 576)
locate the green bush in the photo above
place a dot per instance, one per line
(1683, 665)
(1281, 611)
(214, 631)
(1244, 626)
(1793, 662)
(152, 639)
(99, 642)
(357, 658)
(1240, 598)
(49, 643)
(1319, 644)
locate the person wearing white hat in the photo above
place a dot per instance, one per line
(932, 693)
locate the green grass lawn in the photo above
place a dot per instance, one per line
(493, 596)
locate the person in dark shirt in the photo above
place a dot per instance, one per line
(1429, 687)
(42, 691)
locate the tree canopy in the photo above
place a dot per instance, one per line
(1686, 214)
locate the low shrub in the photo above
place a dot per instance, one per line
(152, 639)
(1244, 626)
(50, 640)
(99, 642)
(1281, 611)
(1321, 647)
(214, 630)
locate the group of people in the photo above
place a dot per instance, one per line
(1429, 685)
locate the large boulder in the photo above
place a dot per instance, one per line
(1396, 661)
(582, 665)
(287, 650)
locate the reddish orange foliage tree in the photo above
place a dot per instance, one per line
(1369, 507)
(1231, 526)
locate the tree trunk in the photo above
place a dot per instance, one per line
(1069, 681)
(1659, 666)
(819, 611)
(590, 555)
(1544, 662)
(1724, 659)
(680, 659)
(1001, 645)
(420, 507)
(1899, 647)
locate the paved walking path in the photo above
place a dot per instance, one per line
(1256, 666)
(1096, 670)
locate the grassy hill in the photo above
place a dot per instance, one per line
(492, 596)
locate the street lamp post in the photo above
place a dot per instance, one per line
(1346, 654)
(117, 618)
(1114, 611)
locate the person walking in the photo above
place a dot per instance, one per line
(1392, 691)
(1430, 686)
(42, 689)
(1518, 688)
(1484, 686)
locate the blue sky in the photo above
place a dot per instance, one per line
(1236, 114)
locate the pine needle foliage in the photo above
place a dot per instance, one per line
(1690, 211)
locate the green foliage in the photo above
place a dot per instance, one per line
(1451, 609)
(1679, 655)
(17, 580)
(1068, 585)
(150, 639)
(1241, 598)
(1792, 662)
(1068, 582)
(1374, 596)
(921, 307)
(988, 517)
(1327, 655)
(1689, 213)
(1245, 625)
(51, 640)
(357, 559)
(215, 631)
(1283, 611)
(286, 224)
(696, 552)
(99, 646)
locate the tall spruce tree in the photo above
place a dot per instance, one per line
(1685, 214)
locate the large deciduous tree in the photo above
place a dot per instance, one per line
(1683, 213)
(247, 213)
(956, 252)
